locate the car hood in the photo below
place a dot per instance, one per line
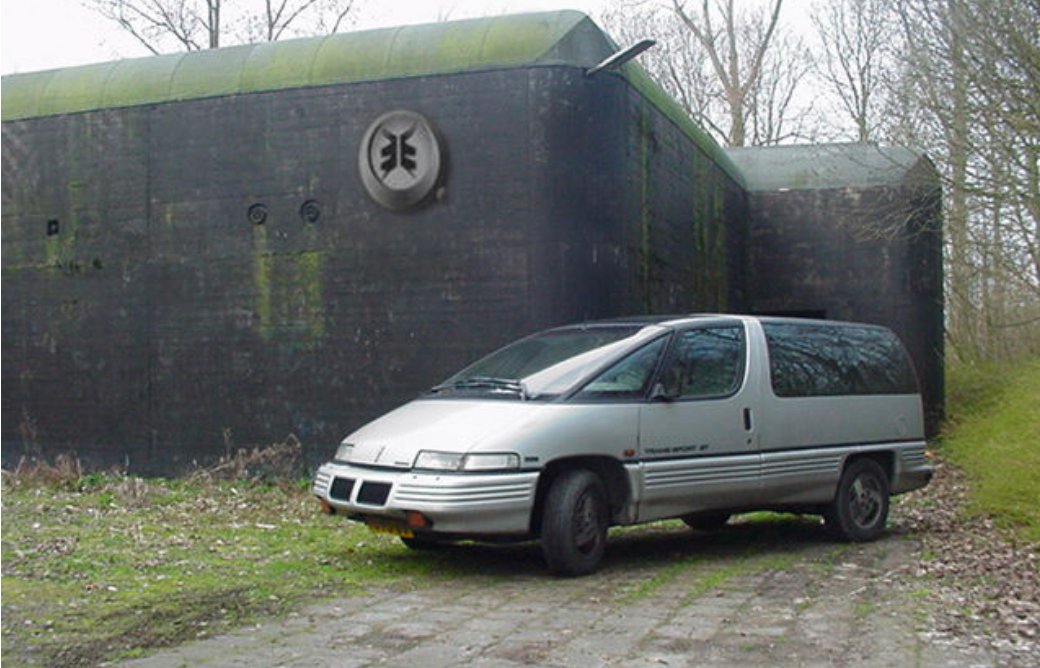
(446, 425)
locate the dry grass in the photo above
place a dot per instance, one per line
(278, 463)
(99, 566)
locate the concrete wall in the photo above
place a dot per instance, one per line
(148, 320)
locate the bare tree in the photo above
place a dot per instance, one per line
(282, 18)
(1002, 73)
(737, 74)
(973, 68)
(676, 63)
(736, 46)
(858, 41)
(155, 24)
(776, 114)
(162, 26)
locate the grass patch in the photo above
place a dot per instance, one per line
(994, 423)
(99, 567)
(752, 563)
(864, 610)
(663, 576)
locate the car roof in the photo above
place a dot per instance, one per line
(680, 320)
(670, 320)
(771, 319)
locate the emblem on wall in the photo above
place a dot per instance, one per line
(399, 159)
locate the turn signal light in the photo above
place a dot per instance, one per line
(417, 520)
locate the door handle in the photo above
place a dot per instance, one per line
(747, 420)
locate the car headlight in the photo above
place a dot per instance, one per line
(344, 452)
(438, 461)
(480, 461)
(491, 461)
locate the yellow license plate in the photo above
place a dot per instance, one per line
(391, 527)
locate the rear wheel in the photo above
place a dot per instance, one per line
(860, 508)
(575, 519)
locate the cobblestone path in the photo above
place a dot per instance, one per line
(808, 602)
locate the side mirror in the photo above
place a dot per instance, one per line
(659, 394)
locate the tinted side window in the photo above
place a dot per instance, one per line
(828, 360)
(705, 363)
(627, 379)
(806, 360)
(882, 363)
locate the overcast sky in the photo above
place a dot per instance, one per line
(44, 34)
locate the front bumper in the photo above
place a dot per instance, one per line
(486, 504)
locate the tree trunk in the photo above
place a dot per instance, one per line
(961, 317)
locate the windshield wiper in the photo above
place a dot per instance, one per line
(488, 383)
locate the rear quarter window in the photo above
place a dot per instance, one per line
(811, 360)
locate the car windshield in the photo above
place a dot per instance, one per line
(545, 364)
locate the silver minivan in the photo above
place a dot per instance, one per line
(567, 432)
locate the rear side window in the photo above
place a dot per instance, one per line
(812, 360)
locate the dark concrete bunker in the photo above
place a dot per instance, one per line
(192, 257)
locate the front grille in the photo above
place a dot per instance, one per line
(373, 493)
(341, 488)
(463, 493)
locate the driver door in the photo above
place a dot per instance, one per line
(696, 434)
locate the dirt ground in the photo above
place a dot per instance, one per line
(752, 595)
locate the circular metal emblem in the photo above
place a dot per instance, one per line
(399, 159)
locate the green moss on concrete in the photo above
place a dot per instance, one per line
(262, 279)
(169, 213)
(437, 48)
(551, 38)
(641, 80)
(288, 289)
(60, 249)
(310, 271)
(721, 274)
(645, 261)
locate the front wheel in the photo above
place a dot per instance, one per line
(575, 519)
(860, 508)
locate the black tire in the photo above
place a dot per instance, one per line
(706, 521)
(575, 519)
(860, 507)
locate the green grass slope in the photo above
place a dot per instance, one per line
(993, 433)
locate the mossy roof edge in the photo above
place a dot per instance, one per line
(830, 166)
(371, 55)
(565, 37)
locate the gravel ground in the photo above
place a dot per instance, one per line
(663, 598)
